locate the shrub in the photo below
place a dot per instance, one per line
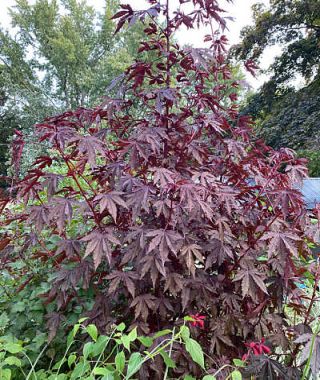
(111, 357)
(178, 210)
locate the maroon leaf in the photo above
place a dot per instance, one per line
(143, 305)
(110, 201)
(99, 245)
(126, 277)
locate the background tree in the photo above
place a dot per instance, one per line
(61, 54)
(287, 113)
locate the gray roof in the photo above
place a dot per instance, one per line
(311, 192)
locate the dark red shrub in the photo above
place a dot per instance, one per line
(178, 209)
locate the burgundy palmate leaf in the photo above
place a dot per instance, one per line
(205, 178)
(61, 211)
(231, 302)
(53, 322)
(297, 171)
(69, 246)
(125, 277)
(285, 199)
(163, 306)
(251, 281)
(70, 279)
(189, 195)
(189, 253)
(197, 151)
(163, 207)
(165, 241)
(205, 208)
(267, 368)
(281, 242)
(140, 199)
(162, 176)
(154, 265)
(99, 245)
(58, 135)
(143, 304)
(228, 197)
(200, 57)
(39, 217)
(138, 151)
(311, 348)
(220, 251)
(220, 342)
(110, 201)
(89, 146)
(251, 67)
(51, 183)
(173, 283)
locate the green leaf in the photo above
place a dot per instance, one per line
(126, 342)
(71, 359)
(188, 319)
(195, 351)
(73, 333)
(185, 333)
(162, 333)
(236, 375)
(82, 320)
(59, 363)
(12, 360)
(100, 345)
(18, 307)
(13, 348)
(133, 335)
(238, 363)
(146, 341)
(121, 327)
(109, 376)
(87, 349)
(134, 364)
(5, 374)
(70, 338)
(120, 361)
(209, 377)
(4, 320)
(80, 370)
(61, 376)
(101, 371)
(92, 331)
(189, 377)
(167, 360)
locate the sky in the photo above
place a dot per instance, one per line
(240, 10)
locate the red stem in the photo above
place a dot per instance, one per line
(71, 171)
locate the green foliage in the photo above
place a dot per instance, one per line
(292, 120)
(287, 116)
(101, 356)
(313, 157)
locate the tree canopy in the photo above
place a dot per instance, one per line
(287, 113)
(293, 24)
